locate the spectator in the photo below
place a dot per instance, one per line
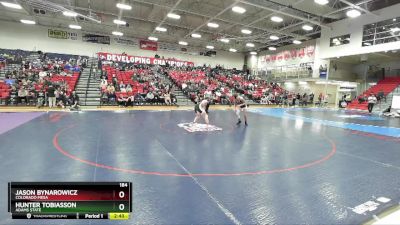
(371, 102)
(139, 99)
(114, 81)
(150, 97)
(22, 95)
(320, 97)
(122, 87)
(51, 96)
(104, 97)
(74, 101)
(304, 99)
(381, 95)
(128, 88)
(157, 97)
(61, 98)
(41, 98)
(167, 98)
(208, 94)
(103, 84)
(264, 100)
(125, 101)
(362, 99)
(111, 93)
(121, 100)
(326, 100)
(31, 97)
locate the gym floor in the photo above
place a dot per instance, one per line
(289, 166)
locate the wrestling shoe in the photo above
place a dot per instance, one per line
(238, 122)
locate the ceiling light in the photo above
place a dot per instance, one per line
(321, 2)
(183, 43)
(251, 45)
(276, 19)
(272, 48)
(124, 6)
(153, 39)
(245, 31)
(395, 29)
(77, 27)
(28, 21)
(296, 42)
(303, 82)
(210, 47)
(117, 33)
(367, 43)
(213, 25)
(70, 13)
(232, 50)
(273, 37)
(224, 40)
(352, 13)
(174, 16)
(11, 5)
(120, 22)
(162, 29)
(394, 20)
(253, 53)
(307, 27)
(196, 35)
(238, 9)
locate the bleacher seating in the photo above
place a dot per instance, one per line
(223, 82)
(253, 88)
(386, 85)
(4, 91)
(126, 78)
(70, 80)
(2, 63)
(142, 79)
(59, 72)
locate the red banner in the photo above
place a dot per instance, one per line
(148, 45)
(142, 60)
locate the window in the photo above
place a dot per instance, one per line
(386, 31)
(340, 40)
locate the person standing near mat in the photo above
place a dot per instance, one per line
(240, 106)
(201, 109)
(371, 102)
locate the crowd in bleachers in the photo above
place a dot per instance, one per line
(220, 84)
(138, 84)
(51, 78)
(128, 85)
(42, 81)
(2, 63)
(13, 56)
(135, 84)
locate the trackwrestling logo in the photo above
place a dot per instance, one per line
(199, 127)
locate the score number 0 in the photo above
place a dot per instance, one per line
(121, 195)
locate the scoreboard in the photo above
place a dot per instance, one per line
(70, 200)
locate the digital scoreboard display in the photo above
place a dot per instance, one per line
(70, 200)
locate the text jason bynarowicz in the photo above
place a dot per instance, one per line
(46, 192)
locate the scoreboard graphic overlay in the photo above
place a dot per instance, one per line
(70, 200)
